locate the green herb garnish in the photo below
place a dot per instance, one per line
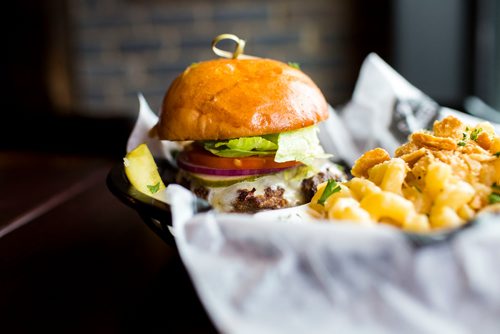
(462, 142)
(294, 65)
(331, 188)
(154, 189)
(475, 133)
(193, 65)
(497, 154)
(340, 168)
(494, 198)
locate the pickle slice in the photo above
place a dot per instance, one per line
(142, 172)
(222, 181)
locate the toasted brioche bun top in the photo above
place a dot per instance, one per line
(232, 98)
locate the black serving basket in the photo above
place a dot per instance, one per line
(155, 214)
(158, 217)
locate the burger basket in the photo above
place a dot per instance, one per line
(157, 215)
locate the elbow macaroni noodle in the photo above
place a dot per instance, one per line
(438, 180)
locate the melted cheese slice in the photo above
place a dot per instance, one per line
(222, 198)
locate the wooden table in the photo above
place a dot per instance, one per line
(74, 259)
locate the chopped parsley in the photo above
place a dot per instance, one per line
(154, 189)
(331, 188)
(464, 138)
(494, 198)
(475, 133)
(340, 168)
(193, 65)
(497, 154)
(294, 65)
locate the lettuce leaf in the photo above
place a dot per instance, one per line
(242, 147)
(300, 145)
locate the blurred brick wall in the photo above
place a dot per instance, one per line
(127, 46)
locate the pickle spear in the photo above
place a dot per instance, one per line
(142, 172)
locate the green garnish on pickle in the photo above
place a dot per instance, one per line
(154, 188)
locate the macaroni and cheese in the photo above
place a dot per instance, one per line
(439, 179)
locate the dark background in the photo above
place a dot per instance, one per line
(73, 258)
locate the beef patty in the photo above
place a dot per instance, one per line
(249, 200)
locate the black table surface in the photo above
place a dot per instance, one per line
(74, 259)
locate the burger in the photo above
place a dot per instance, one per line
(251, 131)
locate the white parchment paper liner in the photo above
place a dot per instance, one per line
(273, 273)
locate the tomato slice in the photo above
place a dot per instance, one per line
(199, 156)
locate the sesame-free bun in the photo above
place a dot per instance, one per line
(232, 98)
